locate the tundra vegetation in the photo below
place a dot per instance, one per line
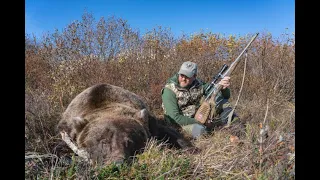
(60, 65)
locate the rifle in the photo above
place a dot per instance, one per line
(206, 107)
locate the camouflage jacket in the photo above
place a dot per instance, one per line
(180, 104)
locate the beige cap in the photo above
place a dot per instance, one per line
(188, 68)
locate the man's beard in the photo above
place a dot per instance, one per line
(184, 84)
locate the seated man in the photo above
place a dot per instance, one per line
(181, 98)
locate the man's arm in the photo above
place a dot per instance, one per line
(172, 110)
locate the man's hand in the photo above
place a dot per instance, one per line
(225, 82)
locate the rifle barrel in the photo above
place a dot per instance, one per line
(235, 62)
(217, 87)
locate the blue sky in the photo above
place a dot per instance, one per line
(236, 17)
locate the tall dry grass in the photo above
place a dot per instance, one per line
(87, 52)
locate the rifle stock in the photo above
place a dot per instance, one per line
(208, 104)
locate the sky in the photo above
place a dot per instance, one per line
(227, 17)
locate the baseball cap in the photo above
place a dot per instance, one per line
(188, 68)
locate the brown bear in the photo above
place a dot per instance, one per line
(111, 124)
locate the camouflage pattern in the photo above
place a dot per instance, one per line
(188, 100)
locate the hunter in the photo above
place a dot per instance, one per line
(182, 96)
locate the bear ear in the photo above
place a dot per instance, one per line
(79, 123)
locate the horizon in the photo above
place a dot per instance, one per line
(181, 17)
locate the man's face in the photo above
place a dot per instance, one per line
(185, 80)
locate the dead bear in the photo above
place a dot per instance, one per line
(111, 124)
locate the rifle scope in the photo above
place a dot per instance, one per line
(216, 77)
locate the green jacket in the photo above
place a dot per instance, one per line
(181, 110)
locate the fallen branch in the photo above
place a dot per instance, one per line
(80, 152)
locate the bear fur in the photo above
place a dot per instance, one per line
(113, 124)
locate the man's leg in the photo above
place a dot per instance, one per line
(195, 130)
(237, 127)
(224, 108)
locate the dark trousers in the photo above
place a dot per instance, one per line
(223, 109)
